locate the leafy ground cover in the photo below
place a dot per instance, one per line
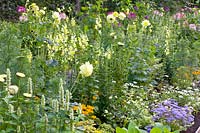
(128, 70)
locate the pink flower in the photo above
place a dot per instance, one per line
(131, 15)
(62, 15)
(179, 15)
(109, 13)
(192, 26)
(156, 12)
(21, 9)
(23, 18)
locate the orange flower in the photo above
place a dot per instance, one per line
(85, 112)
(90, 107)
(90, 111)
(75, 108)
(83, 106)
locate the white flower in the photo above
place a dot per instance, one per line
(111, 18)
(86, 69)
(56, 15)
(146, 23)
(122, 16)
(22, 75)
(13, 89)
(27, 95)
(120, 44)
(42, 12)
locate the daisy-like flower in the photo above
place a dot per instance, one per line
(121, 16)
(13, 89)
(86, 69)
(19, 74)
(146, 23)
(111, 18)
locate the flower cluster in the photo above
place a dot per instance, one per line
(112, 17)
(85, 109)
(171, 112)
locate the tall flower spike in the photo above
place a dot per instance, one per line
(55, 105)
(37, 109)
(18, 129)
(72, 119)
(43, 102)
(61, 93)
(46, 119)
(8, 79)
(67, 98)
(11, 108)
(19, 112)
(30, 86)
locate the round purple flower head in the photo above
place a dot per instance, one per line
(146, 17)
(21, 9)
(131, 15)
(166, 9)
(135, 8)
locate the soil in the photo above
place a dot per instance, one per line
(195, 126)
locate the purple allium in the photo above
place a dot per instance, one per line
(136, 8)
(146, 17)
(21, 9)
(170, 111)
(166, 9)
(131, 15)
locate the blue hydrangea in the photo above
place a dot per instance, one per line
(171, 112)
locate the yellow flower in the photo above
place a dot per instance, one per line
(27, 95)
(86, 69)
(93, 117)
(85, 112)
(122, 16)
(94, 98)
(42, 12)
(146, 23)
(115, 14)
(13, 89)
(111, 18)
(75, 108)
(34, 7)
(22, 75)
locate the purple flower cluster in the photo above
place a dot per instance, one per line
(21, 9)
(170, 111)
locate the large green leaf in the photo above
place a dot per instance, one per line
(121, 130)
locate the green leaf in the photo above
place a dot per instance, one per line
(120, 130)
(156, 130)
